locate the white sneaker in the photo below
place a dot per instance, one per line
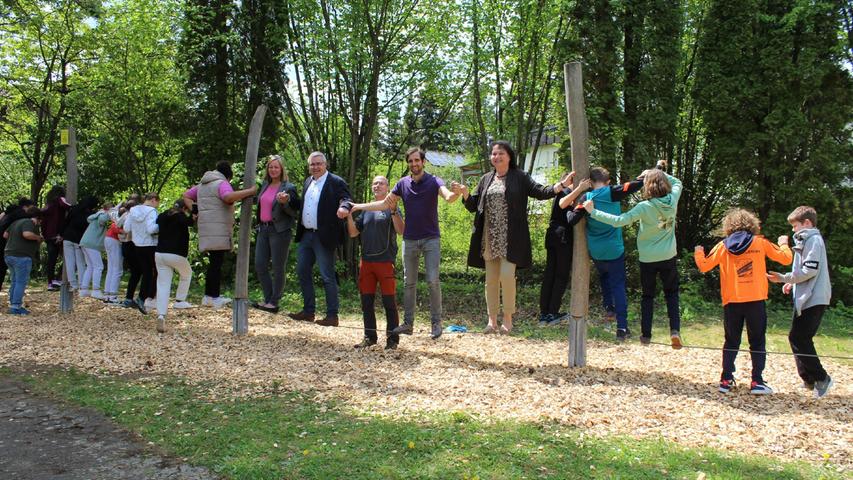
(97, 294)
(182, 304)
(206, 301)
(220, 302)
(150, 303)
(161, 323)
(84, 293)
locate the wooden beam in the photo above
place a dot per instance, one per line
(240, 308)
(66, 296)
(580, 256)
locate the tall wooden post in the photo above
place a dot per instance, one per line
(240, 315)
(580, 257)
(69, 139)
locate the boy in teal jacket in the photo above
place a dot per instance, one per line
(656, 246)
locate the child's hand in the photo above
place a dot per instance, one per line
(584, 184)
(589, 206)
(783, 240)
(775, 277)
(786, 289)
(699, 249)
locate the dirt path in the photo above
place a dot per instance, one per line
(626, 389)
(42, 439)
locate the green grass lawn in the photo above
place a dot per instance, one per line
(288, 435)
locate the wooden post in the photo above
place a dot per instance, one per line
(240, 316)
(580, 256)
(66, 296)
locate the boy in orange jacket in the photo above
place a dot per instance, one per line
(743, 286)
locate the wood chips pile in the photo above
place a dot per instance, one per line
(625, 389)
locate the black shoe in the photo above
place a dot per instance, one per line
(140, 305)
(622, 334)
(391, 345)
(366, 342)
(645, 340)
(404, 329)
(436, 330)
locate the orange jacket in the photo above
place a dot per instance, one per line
(742, 267)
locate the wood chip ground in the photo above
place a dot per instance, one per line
(625, 389)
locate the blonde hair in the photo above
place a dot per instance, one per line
(738, 219)
(655, 184)
(275, 158)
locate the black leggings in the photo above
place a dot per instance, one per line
(668, 272)
(145, 259)
(213, 277)
(53, 251)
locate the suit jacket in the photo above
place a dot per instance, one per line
(519, 186)
(283, 216)
(330, 228)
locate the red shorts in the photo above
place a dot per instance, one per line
(372, 273)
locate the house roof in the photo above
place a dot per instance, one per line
(445, 159)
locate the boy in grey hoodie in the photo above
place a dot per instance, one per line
(809, 281)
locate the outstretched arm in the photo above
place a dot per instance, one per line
(389, 203)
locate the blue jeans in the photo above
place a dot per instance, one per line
(19, 273)
(311, 251)
(611, 274)
(430, 248)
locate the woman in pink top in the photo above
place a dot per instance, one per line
(278, 206)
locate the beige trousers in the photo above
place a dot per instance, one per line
(500, 277)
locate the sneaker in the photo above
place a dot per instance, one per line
(675, 340)
(726, 386)
(545, 319)
(128, 303)
(645, 340)
(391, 345)
(404, 329)
(821, 388)
(140, 305)
(52, 287)
(808, 385)
(150, 303)
(436, 330)
(113, 302)
(97, 294)
(161, 323)
(622, 334)
(19, 311)
(760, 388)
(84, 293)
(182, 304)
(206, 301)
(220, 302)
(560, 317)
(365, 342)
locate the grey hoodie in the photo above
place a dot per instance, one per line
(810, 271)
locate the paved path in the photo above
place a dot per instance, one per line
(41, 439)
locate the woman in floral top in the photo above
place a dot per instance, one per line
(500, 200)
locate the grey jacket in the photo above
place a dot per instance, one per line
(810, 271)
(284, 216)
(215, 217)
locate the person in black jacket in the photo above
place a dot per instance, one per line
(75, 261)
(325, 204)
(170, 255)
(500, 241)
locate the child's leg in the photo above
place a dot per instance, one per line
(617, 286)
(801, 337)
(733, 327)
(648, 274)
(756, 332)
(669, 278)
(602, 267)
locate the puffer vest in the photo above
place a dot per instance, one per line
(215, 217)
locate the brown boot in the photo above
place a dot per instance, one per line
(302, 316)
(329, 321)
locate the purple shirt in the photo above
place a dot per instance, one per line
(224, 189)
(421, 202)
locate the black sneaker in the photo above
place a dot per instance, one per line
(645, 340)
(436, 330)
(391, 345)
(622, 334)
(545, 319)
(140, 305)
(366, 342)
(822, 387)
(404, 329)
(726, 386)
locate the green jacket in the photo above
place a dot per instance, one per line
(656, 239)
